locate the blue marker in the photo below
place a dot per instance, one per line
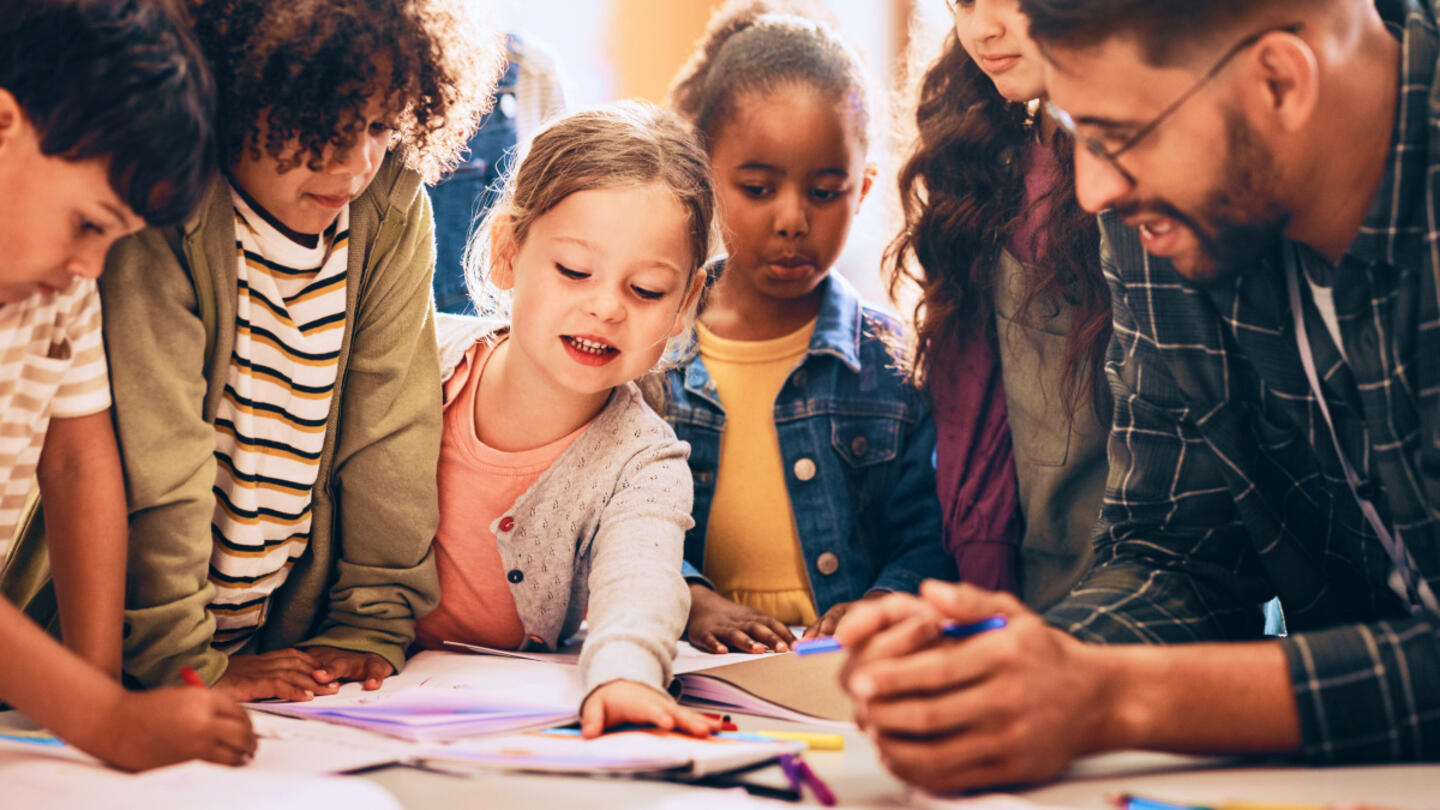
(954, 630)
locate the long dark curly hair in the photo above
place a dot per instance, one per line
(962, 193)
(309, 67)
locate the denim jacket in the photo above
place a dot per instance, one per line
(857, 441)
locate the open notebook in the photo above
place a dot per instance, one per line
(625, 752)
(441, 697)
(781, 685)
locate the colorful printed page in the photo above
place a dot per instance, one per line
(624, 752)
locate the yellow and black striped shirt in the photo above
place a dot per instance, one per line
(270, 427)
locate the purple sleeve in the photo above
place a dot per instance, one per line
(974, 463)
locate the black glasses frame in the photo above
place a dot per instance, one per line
(1095, 147)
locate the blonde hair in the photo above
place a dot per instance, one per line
(620, 145)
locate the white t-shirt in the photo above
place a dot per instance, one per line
(52, 365)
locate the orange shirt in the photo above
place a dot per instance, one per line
(477, 485)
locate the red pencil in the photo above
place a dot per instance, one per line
(191, 678)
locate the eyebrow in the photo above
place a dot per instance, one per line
(118, 214)
(756, 165)
(590, 246)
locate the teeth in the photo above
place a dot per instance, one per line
(590, 346)
(1158, 228)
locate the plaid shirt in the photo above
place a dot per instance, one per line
(1225, 488)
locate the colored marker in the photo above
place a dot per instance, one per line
(816, 741)
(823, 794)
(1128, 801)
(952, 630)
(191, 677)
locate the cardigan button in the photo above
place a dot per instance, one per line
(827, 563)
(805, 469)
(516, 576)
(506, 524)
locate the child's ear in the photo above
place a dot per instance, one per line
(687, 310)
(867, 180)
(502, 253)
(11, 118)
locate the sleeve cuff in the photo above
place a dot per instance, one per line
(621, 659)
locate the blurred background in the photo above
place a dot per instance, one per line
(612, 49)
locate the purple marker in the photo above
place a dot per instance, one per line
(953, 630)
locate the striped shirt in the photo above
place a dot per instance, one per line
(52, 365)
(270, 425)
(1225, 486)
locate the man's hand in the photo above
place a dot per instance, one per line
(719, 625)
(1004, 707)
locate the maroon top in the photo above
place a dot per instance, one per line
(974, 464)
(974, 460)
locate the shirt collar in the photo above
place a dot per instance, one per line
(839, 327)
(1394, 227)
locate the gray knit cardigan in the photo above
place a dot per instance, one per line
(600, 535)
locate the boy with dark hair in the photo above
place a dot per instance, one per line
(104, 126)
(1267, 173)
(273, 360)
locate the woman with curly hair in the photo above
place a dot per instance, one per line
(1013, 317)
(273, 359)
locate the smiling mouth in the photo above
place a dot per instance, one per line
(595, 347)
(1159, 227)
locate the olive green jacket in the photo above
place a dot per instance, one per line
(368, 571)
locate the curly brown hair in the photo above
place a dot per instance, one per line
(302, 71)
(962, 193)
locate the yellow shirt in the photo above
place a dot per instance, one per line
(752, 548)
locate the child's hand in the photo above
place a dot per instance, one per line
(827, 623)
(716, 622)
(620, 702)
(165, 726)
(348, 665)
(285, 674)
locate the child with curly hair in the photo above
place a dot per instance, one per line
(91, 148)
(274, 359)
(814, 485)
(563, 496)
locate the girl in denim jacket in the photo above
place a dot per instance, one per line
(812, 456)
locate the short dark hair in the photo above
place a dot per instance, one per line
(308, 67)
(760, 45)
(119, 80)
(1166, 31)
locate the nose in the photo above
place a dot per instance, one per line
(984, 23)
(359, 160)
(792, 220)
(606, 304)
(89, 261)
(1098, 184)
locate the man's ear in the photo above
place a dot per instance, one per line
(502, 252)
(1286, 75)
(867, 180)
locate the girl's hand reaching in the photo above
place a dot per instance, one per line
(619, 703)
(718, 625)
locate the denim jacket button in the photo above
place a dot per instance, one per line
(827, 563)
(805, 469)
(858, 445)
(798, 379)
(710, 387)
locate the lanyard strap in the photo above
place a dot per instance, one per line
(1399, 555)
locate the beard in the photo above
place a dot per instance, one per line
(1241, 222)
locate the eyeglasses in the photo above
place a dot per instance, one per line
(1095, 147)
